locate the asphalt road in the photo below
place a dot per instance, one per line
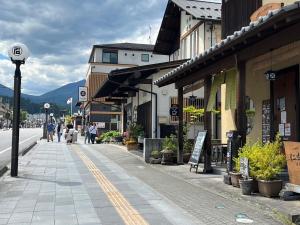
(27, 137)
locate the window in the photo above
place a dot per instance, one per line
(145, 57)
(110, 56)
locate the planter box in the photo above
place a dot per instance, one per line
(235, 179)
(246, 186)
(269, 188)
(132, 146)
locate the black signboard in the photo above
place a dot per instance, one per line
(195, 157)
(266, 112)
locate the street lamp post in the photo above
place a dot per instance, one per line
(46, 107)
(18, 53)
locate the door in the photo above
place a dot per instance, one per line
(144, 118)
(286, 104)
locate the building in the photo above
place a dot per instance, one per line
(103, 59)
(5, 114)
(187, 29)
(257, 70)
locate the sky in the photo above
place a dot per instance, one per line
(60, 35)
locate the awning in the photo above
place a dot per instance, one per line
(223, 55)
(121, 81)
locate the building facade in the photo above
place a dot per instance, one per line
(103, 59)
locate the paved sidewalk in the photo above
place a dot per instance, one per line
(101, 184)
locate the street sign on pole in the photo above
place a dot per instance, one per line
(82, 94)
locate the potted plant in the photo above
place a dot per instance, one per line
(270, 162)
(169, 150)
(134, 131)
(235, 175)
(155, 157)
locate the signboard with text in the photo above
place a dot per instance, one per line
(292, 153)
(82, 94)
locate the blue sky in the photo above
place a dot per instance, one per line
(60, 35)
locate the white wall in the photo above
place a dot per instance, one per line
(132, 57)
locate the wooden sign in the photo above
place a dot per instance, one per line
(195, 157)
(292, 153)
(263, 11)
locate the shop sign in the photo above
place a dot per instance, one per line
(82, 94)
(174, 110)
(292, 152)
(100, 125)
(244, 167)
(270, 75)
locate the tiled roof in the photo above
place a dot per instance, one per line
(210, 10)
(228, 40)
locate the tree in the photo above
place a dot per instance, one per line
(23, 116)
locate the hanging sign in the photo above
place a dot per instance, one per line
(82, 94)
(270, 75)
(174, 110)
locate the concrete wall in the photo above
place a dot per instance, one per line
(132, 57)
(257, 87)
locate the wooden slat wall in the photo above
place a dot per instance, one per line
(94, 81)
(198, 103)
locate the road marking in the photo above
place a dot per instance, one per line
(9, 148)
(128, 214)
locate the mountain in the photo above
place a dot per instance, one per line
(58, 96)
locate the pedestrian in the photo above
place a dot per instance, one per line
(60, 129)
(50, 131)
(87, 133)
(93, 132)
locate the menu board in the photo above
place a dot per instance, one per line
(195, 157)
(266, 113)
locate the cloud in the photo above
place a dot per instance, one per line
(60, 35)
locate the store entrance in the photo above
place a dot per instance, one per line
(286, 104)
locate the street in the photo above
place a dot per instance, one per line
(27, 137)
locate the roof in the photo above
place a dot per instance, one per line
(240, 39)
(124, 46)
(210, 10)
(130, 77)
(169, 34)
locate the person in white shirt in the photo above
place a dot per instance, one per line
(93, 132)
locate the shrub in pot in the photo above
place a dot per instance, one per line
(169, 150)
(155, 157)
(270, 162)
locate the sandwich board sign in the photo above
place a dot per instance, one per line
(195, 157)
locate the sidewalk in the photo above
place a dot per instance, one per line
(102, 184)
(285, 211)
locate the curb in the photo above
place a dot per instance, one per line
(3, 170)
(27, 149)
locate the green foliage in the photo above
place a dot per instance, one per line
(265, 161)
(156, 154)
(194, 113)
(170, 143)
(135, 130)
(109, 135)
(23, 116)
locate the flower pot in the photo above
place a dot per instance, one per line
(186, 157)
(155, 160)
(227, 179)
(167, 157)
(255, 186)
(269, 188)
(235, 177)
(132, 146)
(246, 186)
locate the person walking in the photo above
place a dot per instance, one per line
(93, 132)
(60, 128)
(87, 133)
(50, 131)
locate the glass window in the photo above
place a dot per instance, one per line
(145, 57)
(110, 56)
